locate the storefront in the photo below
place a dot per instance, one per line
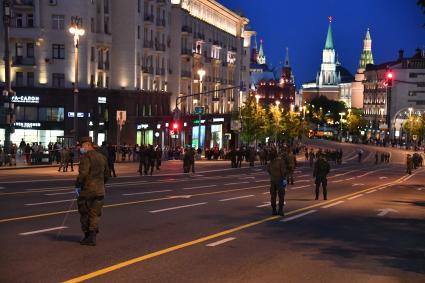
(195, 136)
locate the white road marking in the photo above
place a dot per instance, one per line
(300, 187)
(200, 187)
(420, 189)
(297, 216)
(220, 242)
(333, 204)
(306, 175)
(385, 211)
(355, 185)
(356, 196)
(338, 181)
(266, 193)
(369, 192)
(231, 184)
(57, 194)
(303, 181)
(381, 178)
(244, 178)
(352, 178)
(264, 205)
(177, 207)
(259, 181)
(180, 196)
(146, 193)
(41, 231)
(49, 202)
(227, 199)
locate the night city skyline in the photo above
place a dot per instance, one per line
(304, 33)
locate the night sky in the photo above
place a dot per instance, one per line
(302, 25)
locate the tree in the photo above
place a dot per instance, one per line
(415, 125)
(321, 108)
(274, 125)
(253, 119)
(355, 122)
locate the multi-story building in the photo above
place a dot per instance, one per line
(407, 95)
(127, 61)
(210, 51)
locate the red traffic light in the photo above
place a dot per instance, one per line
(390, 75)
(175, 126)
(172, 133)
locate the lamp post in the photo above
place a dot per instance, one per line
(76, 30)
(275, 137)
(8, 92)
(410, 124)
(201, 73)
(257, 98)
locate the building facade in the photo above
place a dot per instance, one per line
(407, 95)
(333, 80)
(127, 61)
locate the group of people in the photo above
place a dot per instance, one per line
(413, 162)
(149, 158)
(383, 156)
(281, 170)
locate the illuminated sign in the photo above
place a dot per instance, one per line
(215, 120)
(28, 125)
(79, 115)
(142, 126)
(101, 100)
(26, 99)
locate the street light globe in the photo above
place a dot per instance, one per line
(72, 30)
(277, 103)
(201, 73)
(81, 32)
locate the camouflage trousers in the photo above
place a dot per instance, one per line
(90, 210)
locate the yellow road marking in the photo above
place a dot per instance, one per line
(123, 264)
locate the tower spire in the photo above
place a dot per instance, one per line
(261, 57)
(366, 57)
(287, 58)
(329, 38)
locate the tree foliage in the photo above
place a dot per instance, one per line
(355, 122)
(415, 125)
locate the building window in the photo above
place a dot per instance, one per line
(107, 82)
(99, 79)
(30, 50)
(138, 6)
(19, 20)
(93, 54)
(19, 49)
(58, 51)
(92, 25)
(30, 79)
(19, 80)
(58, 80)
(30, 20)
(58, 21)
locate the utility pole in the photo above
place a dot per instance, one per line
(7, 92)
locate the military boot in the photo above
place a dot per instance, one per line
(274, 211)
(280, 212)
(84, 240)
(91, 239)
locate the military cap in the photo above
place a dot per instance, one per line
(85, 139)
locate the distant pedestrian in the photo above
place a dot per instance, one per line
(112, 156)
(158, 156)
(359, 156)
(320, 173)
(93, 173)
(409, 164)
(291, 161)
(376, 158)
(143, 160)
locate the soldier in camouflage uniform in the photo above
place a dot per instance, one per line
(92, 175)
(320, 173)
(278, 170)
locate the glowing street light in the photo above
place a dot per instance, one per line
(277, 103)
(201, 73)
(292, 107)
(76, 30)
(257, 98)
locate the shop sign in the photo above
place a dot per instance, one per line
(216, 120)
(101, 100)
(26, 99)
(27, 125)
(196, 122)
(142, 126)
(79, 115)
(199, 110)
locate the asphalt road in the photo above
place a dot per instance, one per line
(216, 226)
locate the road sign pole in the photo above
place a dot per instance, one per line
(199, 131)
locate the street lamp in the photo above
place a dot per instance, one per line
(201, 73)
(76, 30)
(277, 103)
(292, 107)
(410, 123)
(257, 98)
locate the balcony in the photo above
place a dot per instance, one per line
(23, 4)
(199, 35)
(160, 47)
(186, 29)
(30, 33)
(186, 74)
(186, 52)
(23, 61)
(147, 44)
(149, 18)
(160, 22)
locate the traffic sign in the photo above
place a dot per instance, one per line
(199, 110)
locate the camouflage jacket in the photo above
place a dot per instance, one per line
(93, 173)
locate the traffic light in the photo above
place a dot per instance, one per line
(389, 77)
(175, 126)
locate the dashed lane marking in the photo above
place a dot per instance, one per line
(43, 230)
(303, 181)
(356, 185)
(57, 194)
(264, 205)
(352, 178)
(49, 202)
(221, 242)
(298, 216)
(123, 264)
(333, 204)
(178, 207)
(337, 181)
(147, 193)
(354, 197)
(241, 197)
(383, 177)
(369, 192)
(300, 187)
(235, 183)
(200, 187)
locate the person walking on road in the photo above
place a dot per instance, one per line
(112, 156)
(239, 154)
(292, 163)
(151, 159)
(320, 173)
(409, 164)
(311, 157)
(233, 156)
(277, 169)
(359, 155)
(93, 173)
(143, 161)
(158, 157)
